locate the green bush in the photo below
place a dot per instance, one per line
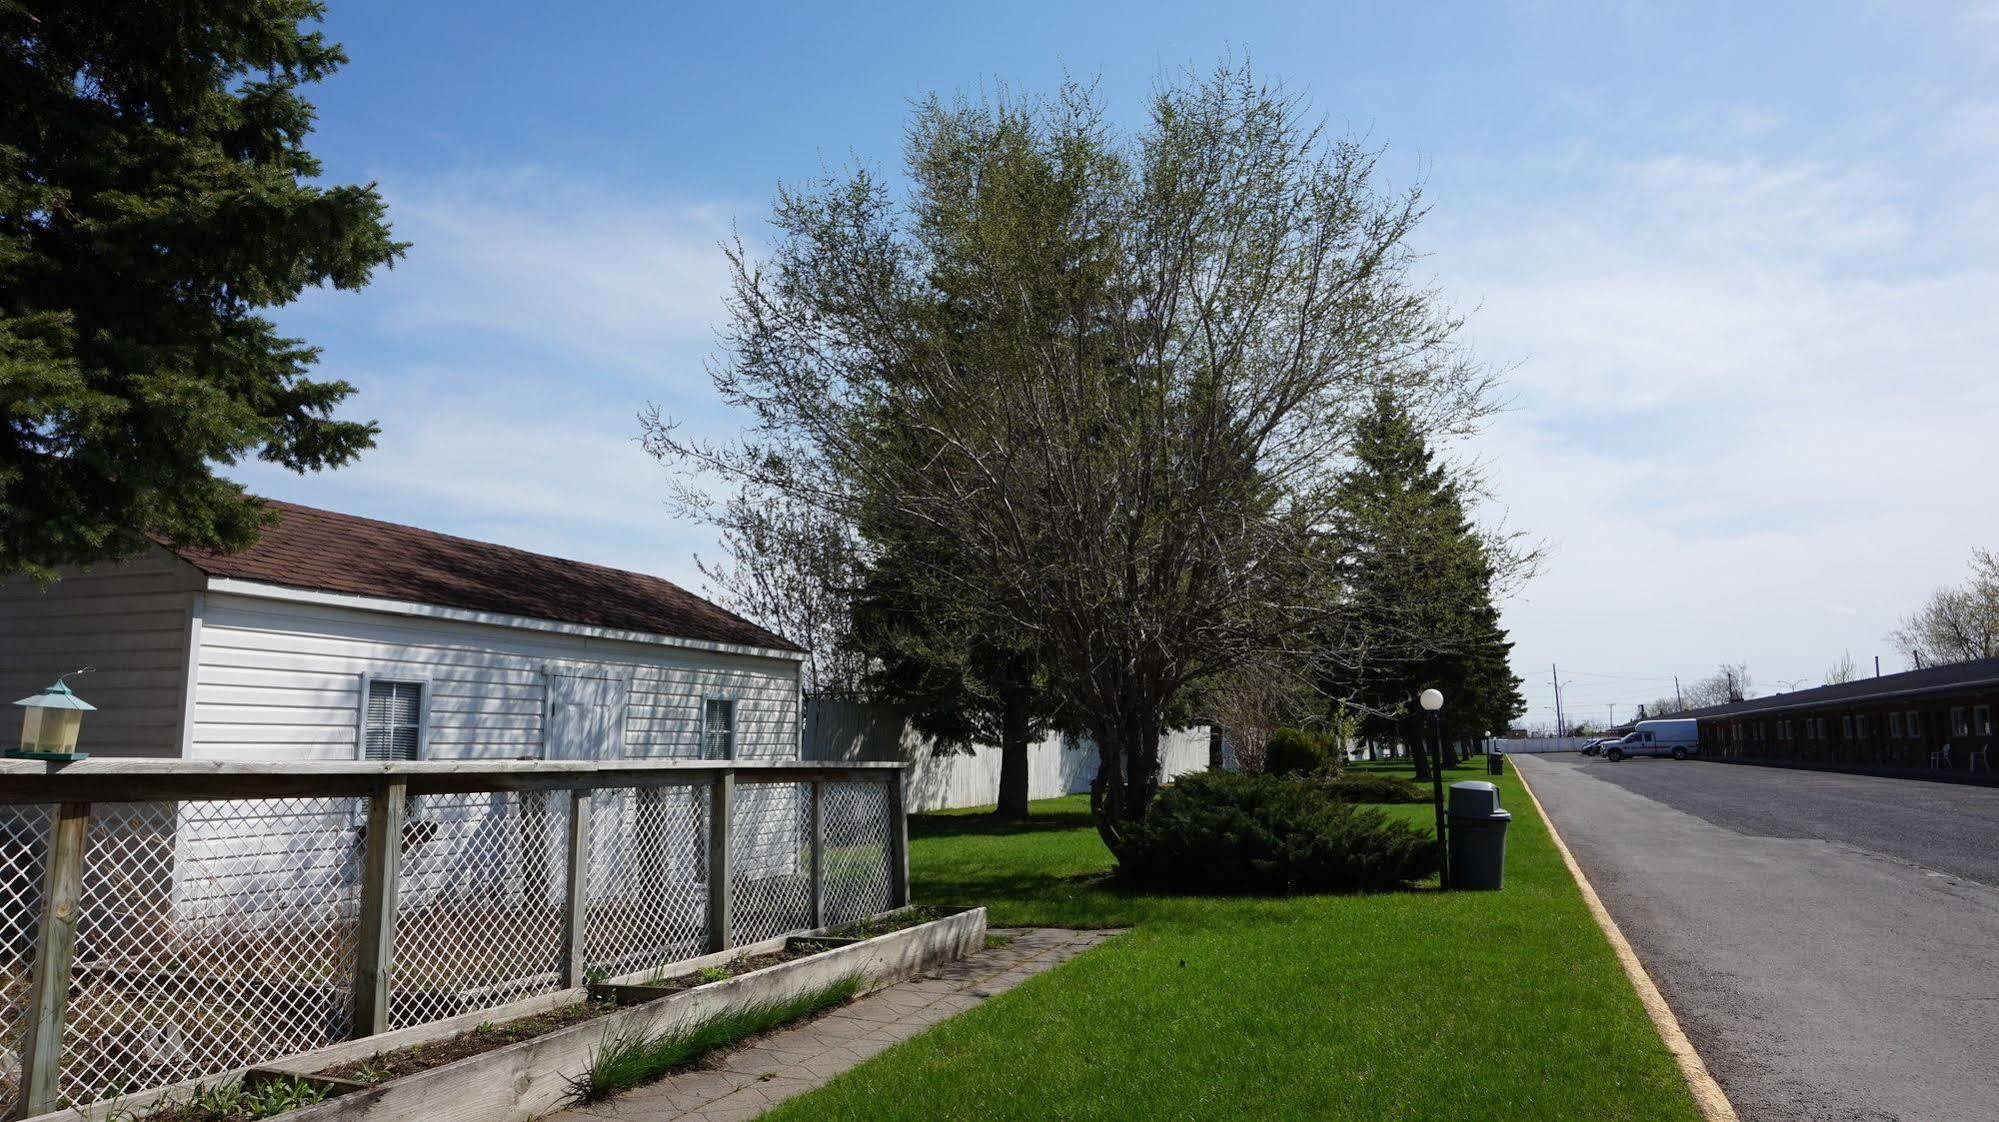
(1224, 832)
(1363, 787)
(1302, 752)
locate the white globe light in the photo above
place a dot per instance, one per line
(1432, 699)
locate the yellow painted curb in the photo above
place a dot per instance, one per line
(1708, 1094)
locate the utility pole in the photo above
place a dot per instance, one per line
(1561, 726)
(1677, 699)
(1613, 714)
(1877, 666)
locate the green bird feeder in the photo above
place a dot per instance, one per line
(50, 721)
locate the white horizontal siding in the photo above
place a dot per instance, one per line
(128, 620)
(282, 680)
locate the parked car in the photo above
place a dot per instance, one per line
(1595, 747)
(1676, 738)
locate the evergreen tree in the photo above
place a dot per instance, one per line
(1417, 581)
(960, 679)
(155, 194)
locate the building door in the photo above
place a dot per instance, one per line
(586, 721)
(586, 718)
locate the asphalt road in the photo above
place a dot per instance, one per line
(1830, 942)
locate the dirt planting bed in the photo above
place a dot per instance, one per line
(384, 1066)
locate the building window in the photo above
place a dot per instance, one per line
(1913, 724)
(392, 720)
(1894, 726)
(1981, 719)
(718, 729)
(1960, 721)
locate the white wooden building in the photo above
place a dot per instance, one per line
(337, 637)
(341, 637)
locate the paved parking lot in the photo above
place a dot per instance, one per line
(1830, 941)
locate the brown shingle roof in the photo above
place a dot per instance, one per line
(329, 552)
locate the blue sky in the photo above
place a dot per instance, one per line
(1738, 258)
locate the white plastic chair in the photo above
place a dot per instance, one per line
(1940, 759)
(1980, 757)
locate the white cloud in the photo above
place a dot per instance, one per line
(507, 360)
(537, 258)
(1755, 409)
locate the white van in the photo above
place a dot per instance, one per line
(1678, 739)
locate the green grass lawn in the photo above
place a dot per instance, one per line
(1411, 1005)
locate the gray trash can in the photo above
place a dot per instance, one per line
(1478, 836)
(1495, 762)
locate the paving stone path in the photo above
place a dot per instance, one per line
(793, 1061)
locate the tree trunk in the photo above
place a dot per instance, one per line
(1127, 774)
(1107, 792)
(1142, 770)
(1013, 778)
(1419, 749)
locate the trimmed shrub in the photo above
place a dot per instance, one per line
(1301, 752)
(1364, 787)
(1224, 832)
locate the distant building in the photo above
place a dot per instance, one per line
(1938, 719)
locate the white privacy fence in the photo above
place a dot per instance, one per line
(1538, 745)
(1057, 764)
(166, 920)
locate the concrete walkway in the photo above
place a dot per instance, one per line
(751, 1080)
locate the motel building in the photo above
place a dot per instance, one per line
(1938, 720)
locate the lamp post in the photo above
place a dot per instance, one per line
(50, 721)
(1432, 701)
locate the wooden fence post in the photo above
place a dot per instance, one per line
(818, 855)
(576, 900)
(381, 876)
(55, 944)
(721, 866)
(898, 842)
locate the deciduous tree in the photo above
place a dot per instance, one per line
(1958, 623)
(1114, 374)
(1728, 684)
(793, 570)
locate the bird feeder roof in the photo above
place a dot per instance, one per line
(58, 696)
